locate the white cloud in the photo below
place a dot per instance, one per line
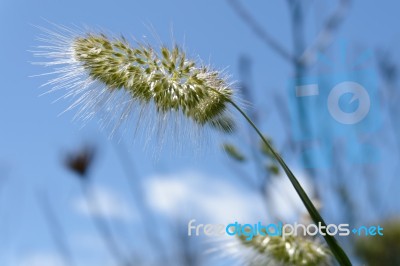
(105, 203)
(223, 200)
(283, 197)
(42, 259)
(191, 194)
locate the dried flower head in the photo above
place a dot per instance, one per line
(80, 161)
(107, 74)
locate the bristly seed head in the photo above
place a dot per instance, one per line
(168, 79)
(288, 250)
(107, 75)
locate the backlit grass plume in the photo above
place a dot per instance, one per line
(109, 75)
(288, 250)
(169, 79)
(106, 74)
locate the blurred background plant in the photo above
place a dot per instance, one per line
(92, 216)
(383, 250)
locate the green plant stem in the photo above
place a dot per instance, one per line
(337, 251)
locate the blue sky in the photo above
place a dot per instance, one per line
(33, 137)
